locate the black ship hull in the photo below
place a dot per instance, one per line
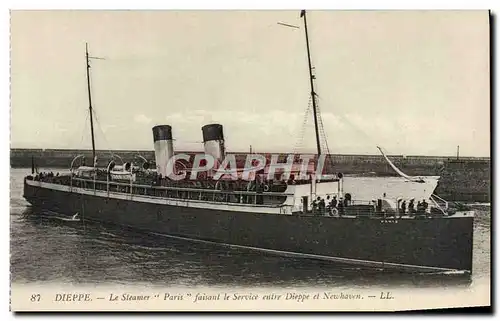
(416, 245)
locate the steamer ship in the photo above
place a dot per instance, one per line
(277, 215)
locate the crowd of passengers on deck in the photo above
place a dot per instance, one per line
(46, 177)
(334, 207)
(331, 206)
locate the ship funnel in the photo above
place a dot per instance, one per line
(213, 140)
(164, 150)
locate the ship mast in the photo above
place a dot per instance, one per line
(311, 79)
(90, 102)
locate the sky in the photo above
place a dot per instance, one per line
(414, 83)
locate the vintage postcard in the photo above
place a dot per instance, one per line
(286, 160)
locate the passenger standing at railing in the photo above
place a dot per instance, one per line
(403, 208)
(334, 202)
(348, 199)
(322, 207)
(411, 207)
(379, 206)
(328, 205)
(425, 205)
(314, 207)
(341, 207)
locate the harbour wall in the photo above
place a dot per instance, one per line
(465, 179)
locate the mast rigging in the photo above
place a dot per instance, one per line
(90, 103)
(87, 61)
(311, 79)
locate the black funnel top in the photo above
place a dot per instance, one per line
(212, 132)
(162, 132)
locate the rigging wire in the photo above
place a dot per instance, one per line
(103, 135)
(323, 134)
(300, 139)
(84, 130)
(321, 129)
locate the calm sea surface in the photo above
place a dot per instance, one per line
(52, 251)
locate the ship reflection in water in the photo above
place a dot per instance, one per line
(46, 249)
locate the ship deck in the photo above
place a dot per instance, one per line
(238, 200)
